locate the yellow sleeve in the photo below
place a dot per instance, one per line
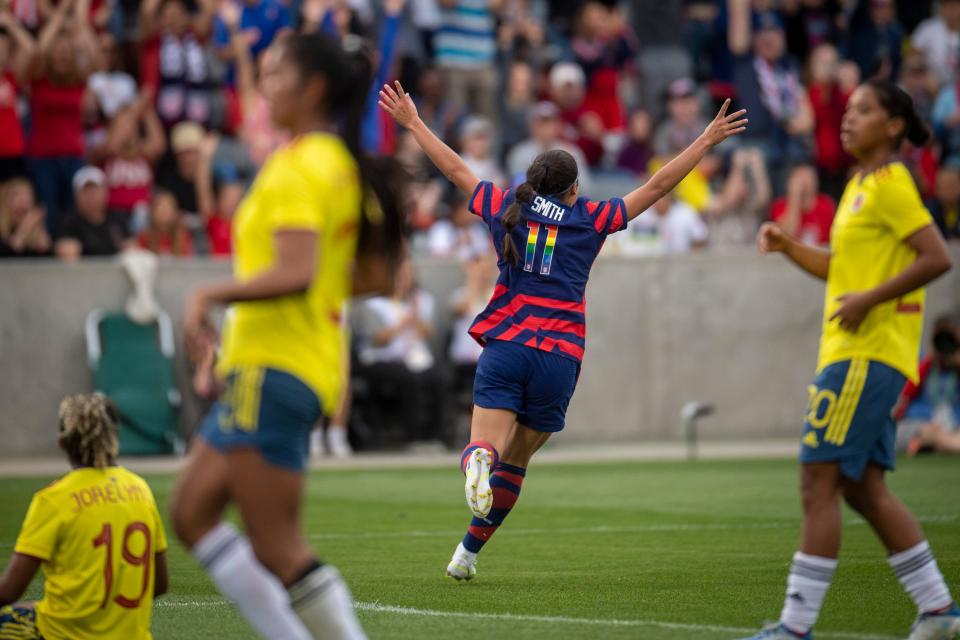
(900, 207)
(40, 529)
(296, 196)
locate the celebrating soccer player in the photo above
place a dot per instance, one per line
(884, 250)
(96, 533)
(547, 237)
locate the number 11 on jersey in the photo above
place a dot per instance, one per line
(533, 239)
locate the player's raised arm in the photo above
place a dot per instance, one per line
(663, 181)
(401, 108)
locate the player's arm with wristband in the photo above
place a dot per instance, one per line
(663, 181)
(401, 108)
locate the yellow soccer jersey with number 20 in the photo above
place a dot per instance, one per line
(96, 531)
(877, 213)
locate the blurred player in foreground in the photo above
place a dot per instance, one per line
(308, 233)
(885, 249)
(96, 533)
(547, 238)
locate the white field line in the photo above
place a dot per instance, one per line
(377, 607)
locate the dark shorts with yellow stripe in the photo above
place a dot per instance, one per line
(269, 410)
(850, 417)
(19, 622)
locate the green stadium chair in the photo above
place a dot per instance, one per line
(133, 364)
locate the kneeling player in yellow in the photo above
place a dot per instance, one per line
(98, 536)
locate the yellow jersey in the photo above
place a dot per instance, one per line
(96, 531)
(311, 184)
(877, 213)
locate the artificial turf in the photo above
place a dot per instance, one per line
(626, 550)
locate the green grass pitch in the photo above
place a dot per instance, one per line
(626, 550)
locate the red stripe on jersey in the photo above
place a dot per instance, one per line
(477, 205)
(568, 347)
(496, 200)
(520, 301)
(592, 207)
(532, 342)
(601, 222)
(618, 219)
(909, 307)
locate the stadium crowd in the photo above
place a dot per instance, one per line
(140, 123)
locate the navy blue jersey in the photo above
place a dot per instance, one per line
(540, 301)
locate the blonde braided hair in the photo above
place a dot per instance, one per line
(88, 429)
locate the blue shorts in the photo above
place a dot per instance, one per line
(19, 622)
(268, 410)
(534, 384)
(850, 416)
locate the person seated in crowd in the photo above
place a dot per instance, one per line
(945, 204)
(637, 153)
(741, 204)
(166, 234)
(90, 230)
(476, 149)
(519, 98)
(937, 38)
(928, 413)
(684, 121)
(178, 174)
(218, 198)
(16, 51)
(22, 230)
(804, 212)
(546, 128)
(394, 352)
(581, 125)
(669, 226)
(460, 236)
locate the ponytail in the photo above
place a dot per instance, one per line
(512, 217)
(898, 104)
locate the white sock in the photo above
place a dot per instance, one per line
(809, 580)
(317, 448)
(258, 594)
(918, 573)
(322, 601)
(339, 444)
(465, 553)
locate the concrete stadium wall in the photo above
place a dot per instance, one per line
(739, 331)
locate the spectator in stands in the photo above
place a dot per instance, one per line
(670, 226)
(466, 48)
(637, 153)
(178, 175)
(804, 212)
(22, 230)
(874, 39)
(462, 236)
(263, 20)
(929, 411)
(938, 38)
(768, 86)
(90, 230)
(16, 51)
(946, 120)
(945, 205)
(582, 126)
(734, 215)
(395, 351)
(218, 199)
(135, 142)
(518, 100)
(166, 234)
(684, 122)
(545, 132)
(173, 60)
(831, 85)
(809, 24)
(476, 149)
(466, 303)
(64, 59)
(918, 80)
(440, 112)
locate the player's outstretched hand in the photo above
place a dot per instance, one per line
(399, 105)
(772, 239)
(725, 125)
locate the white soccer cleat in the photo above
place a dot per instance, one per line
(942, 626)
(477, 487)
(463, 564)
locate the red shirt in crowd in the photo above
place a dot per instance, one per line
(829, 102)
(11, 142)
(57, 119)
(129, 181)
(815, 223)
(218, 234)
(162, 243)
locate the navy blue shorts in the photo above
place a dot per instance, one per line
(268, 410)
(534, 384)
(19, 622)
(850, 417)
